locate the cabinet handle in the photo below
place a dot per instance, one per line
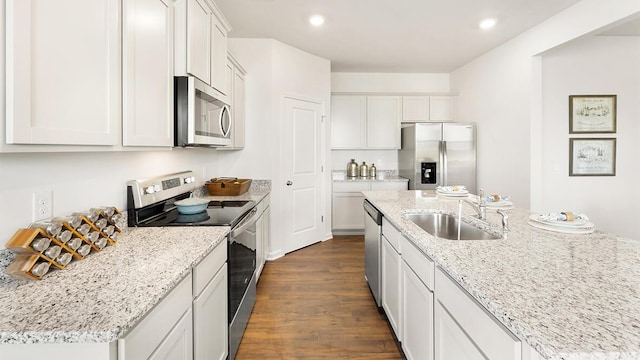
(289, 182)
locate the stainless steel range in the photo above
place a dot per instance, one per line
(150, 202)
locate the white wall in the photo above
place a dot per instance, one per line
(594, 65)
(383, 159)
(80, 181)
(390, 82)
(497, 89)
(275, 70)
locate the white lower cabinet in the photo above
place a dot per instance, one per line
(178, 343)
(417, 317)
(391, 285)
(417, 303)
(210, 319)
(143, 340)
(347, 211)
(464, 329)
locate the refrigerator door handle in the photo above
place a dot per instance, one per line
(444, 163)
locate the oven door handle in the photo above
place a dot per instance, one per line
(245, 223)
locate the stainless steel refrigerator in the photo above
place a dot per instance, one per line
(438, 154)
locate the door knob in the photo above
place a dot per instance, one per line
(289, 182)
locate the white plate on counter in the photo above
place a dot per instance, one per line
(560, 229)
(456, 194)
(577, 223)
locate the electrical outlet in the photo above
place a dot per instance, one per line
(42, 205)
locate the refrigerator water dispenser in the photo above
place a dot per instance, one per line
(429, 175)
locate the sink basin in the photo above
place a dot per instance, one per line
(445, 226)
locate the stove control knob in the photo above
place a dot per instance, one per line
(157, 188)
(150, 190)
(189, 180)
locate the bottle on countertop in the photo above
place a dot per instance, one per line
(372, 170)
(352, 169)
(364, 170)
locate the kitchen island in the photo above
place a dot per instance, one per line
(566, 296)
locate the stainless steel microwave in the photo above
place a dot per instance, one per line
(201, 117)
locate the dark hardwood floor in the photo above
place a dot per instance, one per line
(315, 304)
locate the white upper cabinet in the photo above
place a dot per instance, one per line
(427, 108)
(234, 78)
(147, 73)
(415, 108)
(348, 121)
(441, 108)
(384, 114)
(365, 122)
(199, 21)
(201, 42)
(63, 75)
(219, 53)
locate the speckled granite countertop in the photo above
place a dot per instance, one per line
(568, 296)
(383, 176)
(390, 178)
(100, 298)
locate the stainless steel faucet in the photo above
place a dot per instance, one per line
(505, 221)
(481, 207)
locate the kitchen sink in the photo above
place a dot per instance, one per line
(445, 226)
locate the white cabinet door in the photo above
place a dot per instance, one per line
(210, 319)
(441, 108)
(465, 330)
(391, 287)
(149, 334)
(148, 73)
(199, 21)
(63, 72)
(238, 109)
(348, 213)
(417, 316)
(348, 121)
(235, 77)
(218, 55)
(178, 345)
(384, 114)
(415, 108)
(451, 340)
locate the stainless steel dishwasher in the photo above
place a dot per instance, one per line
(372, 244)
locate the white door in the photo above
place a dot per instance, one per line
(302, 170)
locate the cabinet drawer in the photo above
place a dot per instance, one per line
(489, 335)
(147, 335)
(392, 234)
(391, 185)
(351, 186)
(207, 268)
(420, 263)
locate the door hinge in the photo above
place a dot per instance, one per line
(322, 118)
(321, 168)
(322, 218)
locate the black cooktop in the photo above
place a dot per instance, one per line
(218, 213)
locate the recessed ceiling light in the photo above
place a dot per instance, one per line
(487, 23)
(316, 20)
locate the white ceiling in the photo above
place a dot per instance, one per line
(429, 36)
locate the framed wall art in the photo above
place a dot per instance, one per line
(591, 114)
(592, 157)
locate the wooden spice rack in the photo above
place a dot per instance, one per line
(22, 243)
